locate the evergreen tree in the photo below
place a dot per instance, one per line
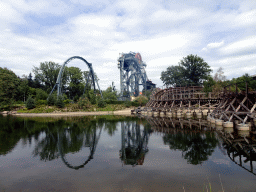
(30, 103)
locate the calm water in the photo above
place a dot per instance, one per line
(116, 154)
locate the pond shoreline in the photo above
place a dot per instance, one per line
(126, 112)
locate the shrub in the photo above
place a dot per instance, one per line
(41, 94)
(67, 101)
(93, 98)
(60, 102)
(142, 100)
(41, 102)
(83, 102)
(51, 100)
(30, 103)
(135, 103)
(128, 104)
(101, 103)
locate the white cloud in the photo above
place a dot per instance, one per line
(39, 7)
(9, 15)
(247, 45)
(163, 32)
(245, 19)
(215, 45)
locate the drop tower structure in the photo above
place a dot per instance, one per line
(133, 77)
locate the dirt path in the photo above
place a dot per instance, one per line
(126, 112)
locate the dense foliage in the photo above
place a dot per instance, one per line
(30, 103)
(8, 86)
(192, 70)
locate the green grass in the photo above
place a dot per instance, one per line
(71, 108)
(40, 109)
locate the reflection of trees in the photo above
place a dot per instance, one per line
(134, 143)
(196, 147)
(14, 129)
(47, 147)
(110, 127)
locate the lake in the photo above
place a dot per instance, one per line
(114, 153)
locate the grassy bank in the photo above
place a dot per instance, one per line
(71, 108)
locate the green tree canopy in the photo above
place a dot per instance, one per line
(9, 83)
(75, 81)
(47, 74)
(109, 94)
(192, 70)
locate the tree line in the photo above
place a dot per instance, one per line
(75, 84)
(194, 71)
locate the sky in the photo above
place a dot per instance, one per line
(222, 32)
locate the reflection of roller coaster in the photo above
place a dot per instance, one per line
(66, 143)
(240, 150)
(134, 143)
(163, 124)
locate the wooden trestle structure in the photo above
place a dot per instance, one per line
(225, 106)
(182, 98)
(238, 107)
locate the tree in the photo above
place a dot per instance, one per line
(41, 94)
(88, 78)
(30, 103)
(23, 89)
(75, 81)
(192, 70)
(47, 74)
(101, 103)
(109, 94)
(241, 82)
(173, 76)
(8, 86)
(219, 75)
(60, 102)
(30, 80)
(51, 100)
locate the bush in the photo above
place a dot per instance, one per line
(101, 103)
(135, 103)
(30, 103)
(128, 104)
(142, 100)
(41, 94)
(115, 102)
(60, 102)
(51, 100)
(67, 101)
(92, 97)
(83, 102)
(41, 102)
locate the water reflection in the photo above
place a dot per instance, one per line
(238, 151)
(75, 140)
(196, 147)
(66, 140)
(134, 143)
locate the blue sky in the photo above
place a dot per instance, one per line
(223, 33)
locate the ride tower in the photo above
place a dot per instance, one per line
(132, 75)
